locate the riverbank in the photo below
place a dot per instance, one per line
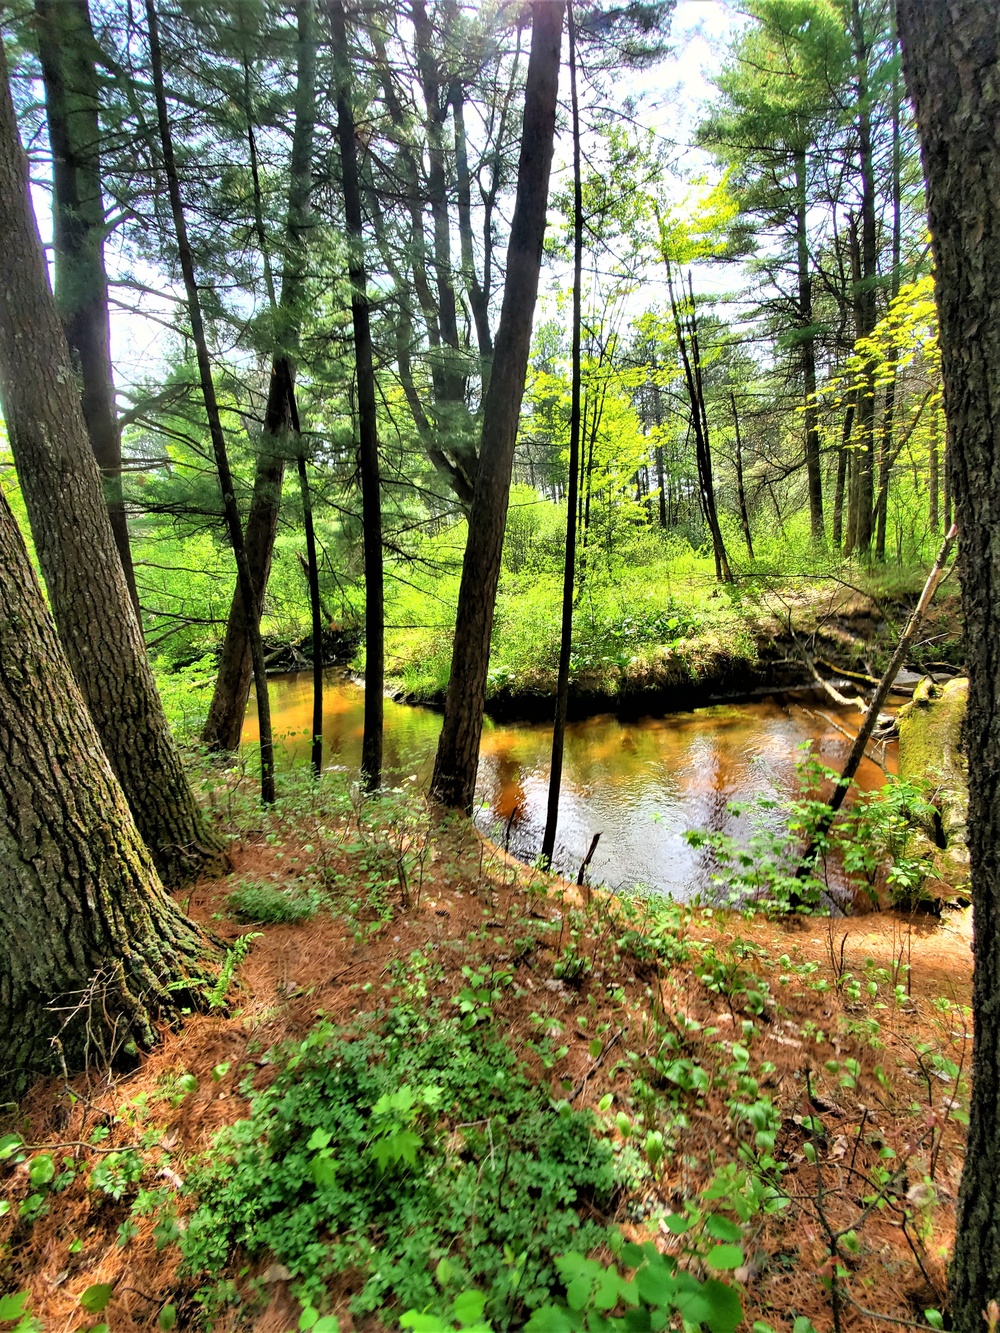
(694, 1079)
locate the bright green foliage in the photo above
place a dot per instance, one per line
(648, 1300)
(266, 904)
(386, 1148)
(872, 846)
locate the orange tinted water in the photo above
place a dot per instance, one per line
(640, 783)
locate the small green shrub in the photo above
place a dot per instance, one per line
(382, 1149)
(266, 904)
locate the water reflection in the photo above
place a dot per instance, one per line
(640, 783)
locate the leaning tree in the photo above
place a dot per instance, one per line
(951, 59)
(73, 537)
(95, 951)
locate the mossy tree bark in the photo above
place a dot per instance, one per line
(76, 548)
(951, 60)
(66, 49)
(454, 779)
(95, 951)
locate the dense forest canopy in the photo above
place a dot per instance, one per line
(797, 213)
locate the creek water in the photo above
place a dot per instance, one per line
(640, 783)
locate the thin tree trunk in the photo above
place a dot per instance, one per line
(315, 605)
(807, 353)
(951, 60)
(368, 461)
(886, 455)
(569, 566)
(478, 298)
(234, 526)
(224, 724)
(454, 778)
(686, 330)
(843, 461)
(934, 479)
(97, 954)
(73, 538)
(740, 491)
(865, 293)
(66, 47)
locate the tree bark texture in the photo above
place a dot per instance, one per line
(94, 947)
(807, 354)
(76, 549)
(66, 47)
(368, 461)
(951, 60)
(865, 295)
(226, 714)
(576, 391)
(454, 779)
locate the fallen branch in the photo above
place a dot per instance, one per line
(815, 712)
(875, 707)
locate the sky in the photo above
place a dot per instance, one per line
(669, 97)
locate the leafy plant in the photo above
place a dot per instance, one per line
(267, 904)
(387, 1146)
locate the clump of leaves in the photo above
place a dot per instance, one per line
(266, 904)
(383, 1149)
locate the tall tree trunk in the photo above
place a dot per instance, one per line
(686, 329)
(234, 525)
(454, 779)
(934, 477)
(740, 490)
(76, 549)
(807, 354)
(951, 59)
(569, 566)
(66, 48)
(86, 919)
(886, 455)
(865, 294)
(368, 461)
(224, 723)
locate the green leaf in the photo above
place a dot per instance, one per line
(95, 1298)
(319, 1138)
(445, 1272)
(423, 1323)
(12, 1306)
(724, 1256)
(803, 1325)
(934, 1318)
(546, 1319)
(595, 1048)
(9, 1145)
(167, 1319)
(715, 1304)
(41, 1169)
(656, 1285)
(323, 1171)
(720, 1228)
(468, 1307)
(606, 1102)
(327, 1323)
(677, 1225)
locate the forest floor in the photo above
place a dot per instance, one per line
(798, 1085)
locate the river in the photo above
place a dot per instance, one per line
(639, 783)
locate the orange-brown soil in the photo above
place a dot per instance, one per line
(468, 905)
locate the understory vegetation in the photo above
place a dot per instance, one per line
(449, 1091)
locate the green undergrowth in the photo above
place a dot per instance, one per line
(383, 1149)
